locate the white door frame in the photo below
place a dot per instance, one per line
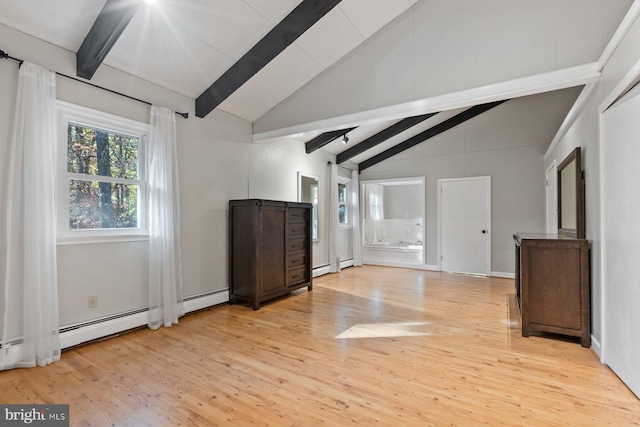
(551, 223)
(475, 178)
(346, 259)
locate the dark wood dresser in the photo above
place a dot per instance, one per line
(552, 285)
(269, 249)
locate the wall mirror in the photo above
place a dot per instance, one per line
(308, 193)
(571, 206)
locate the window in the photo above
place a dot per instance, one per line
(343, 203)
(102, 191)
(314, 213)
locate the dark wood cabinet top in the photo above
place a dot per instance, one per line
(519, 236)
(260, 202)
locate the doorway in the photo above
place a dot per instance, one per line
(464, 225)
(345, 222)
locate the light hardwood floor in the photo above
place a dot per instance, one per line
(461, 362)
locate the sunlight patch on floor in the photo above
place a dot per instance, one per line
(385, 330)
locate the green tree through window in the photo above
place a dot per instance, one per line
(103, 171)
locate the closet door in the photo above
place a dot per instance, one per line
(464, 225)
(620, 236)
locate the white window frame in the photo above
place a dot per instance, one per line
(71, 113)
(347, 183)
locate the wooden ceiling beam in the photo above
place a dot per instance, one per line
(107, 28)
(429, 133)
(381, 136)
(307, 13)
(324, 139)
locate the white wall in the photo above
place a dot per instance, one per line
(443, 46)
(271, 168)
(217, 161)
(403, 201)
(584, 132)
(507, 143)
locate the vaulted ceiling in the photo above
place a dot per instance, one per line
(242, 56)
(186, 45)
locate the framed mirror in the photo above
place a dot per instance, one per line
(571, 206)
(308, 193)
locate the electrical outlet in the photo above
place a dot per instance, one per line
(93, 301)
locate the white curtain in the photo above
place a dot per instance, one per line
(30, 333)
(355, 220)
(334, 221)
(165, 272)
(374, 213)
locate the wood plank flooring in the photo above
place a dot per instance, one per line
(461, 363)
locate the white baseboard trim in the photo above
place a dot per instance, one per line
(209, 299)
(99, 330)
(321, 271)
(325, 269)
(503, 275)
(96, 329)
(346, 263)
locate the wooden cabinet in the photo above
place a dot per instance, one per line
(552, 285)
(269, 249)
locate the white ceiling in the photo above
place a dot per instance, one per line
(185, 45)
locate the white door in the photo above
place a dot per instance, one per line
(620, 238)
(464, 218)
(552, 199)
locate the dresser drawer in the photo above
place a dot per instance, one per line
(295, 245)
(296, 275)
(297, 229)
(296, 260)
(296, 214)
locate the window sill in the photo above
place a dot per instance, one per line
(104, 238)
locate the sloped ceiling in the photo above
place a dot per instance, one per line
(185, 45)
(445, 55)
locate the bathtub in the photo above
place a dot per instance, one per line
(392, 253)
(399, 245)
